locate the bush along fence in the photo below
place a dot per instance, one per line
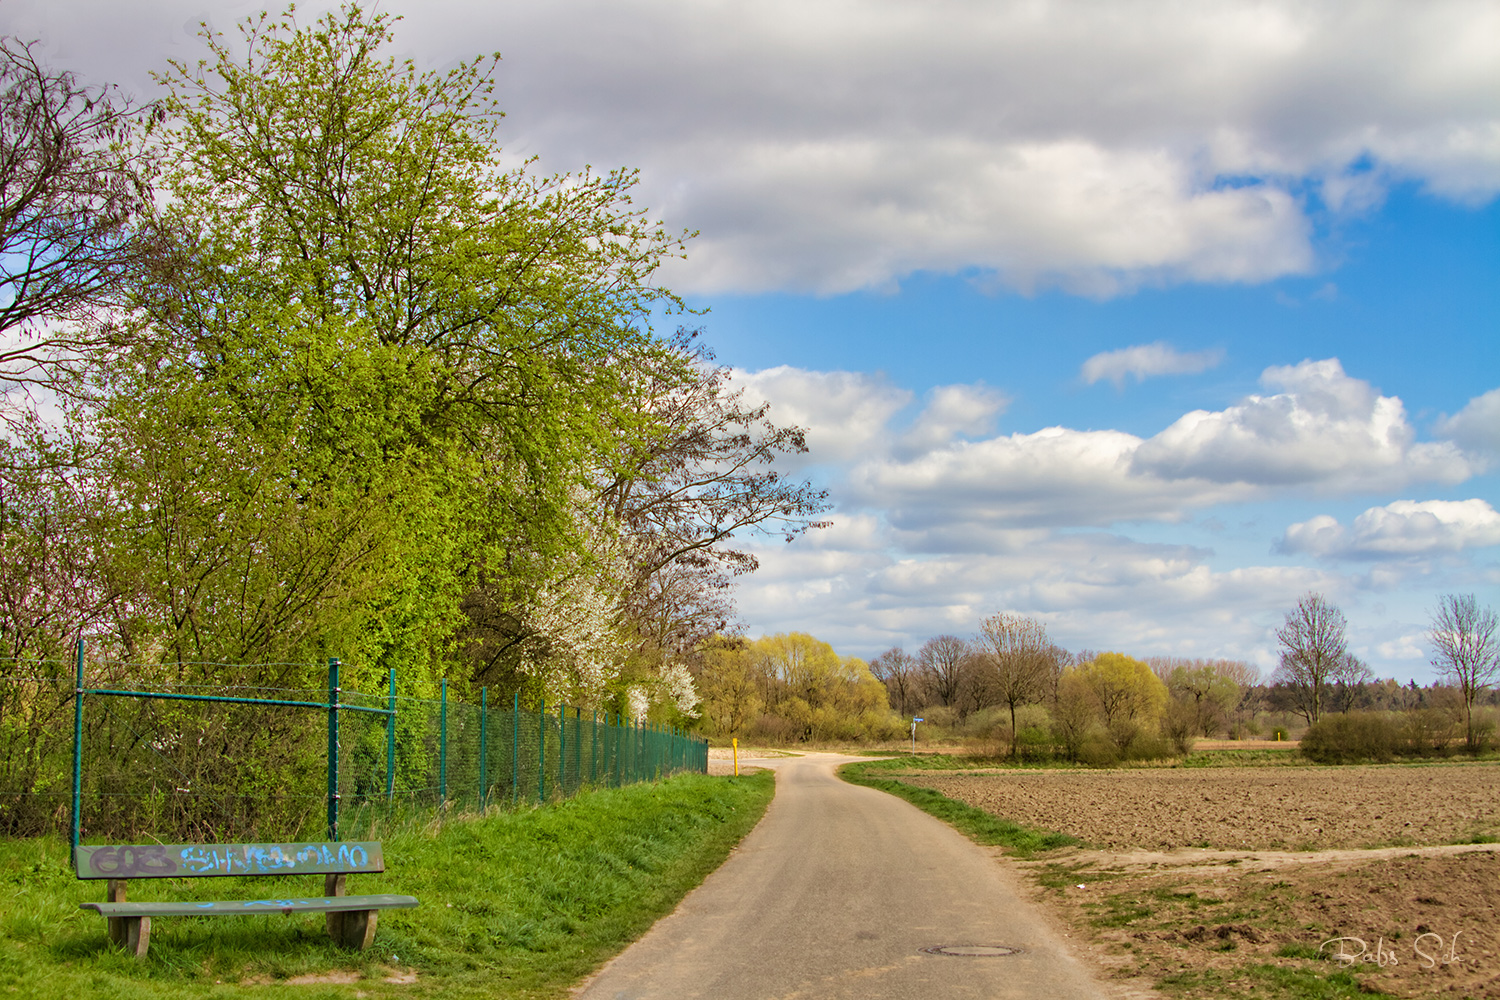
(150, 756)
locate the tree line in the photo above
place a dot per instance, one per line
(1009, 684)
(1038, 700)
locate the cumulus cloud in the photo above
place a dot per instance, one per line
(1401, 529)
(845, 144)
(942, 520)
(1145, 360)
(1054, 476)
(1324, 430)
(1093, 590)
(952, 410)
(844, 413)
(1477, 426)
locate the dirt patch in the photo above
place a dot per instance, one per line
(1410, 926)
(343, 977)
(721, 759)
(1296, 808)
(1236, 916)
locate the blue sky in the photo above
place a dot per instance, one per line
(1144, 318)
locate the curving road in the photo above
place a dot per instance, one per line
(835, 895)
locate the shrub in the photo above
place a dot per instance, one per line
(1098, 750)
(1351, 738)
(1180, 724)
(1035, 744)
(1427, 731)
(1149, 745)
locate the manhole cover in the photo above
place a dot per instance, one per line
(972, 950)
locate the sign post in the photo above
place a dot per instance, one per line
(914, 722)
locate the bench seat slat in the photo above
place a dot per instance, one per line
(214, 860)
(246, 907)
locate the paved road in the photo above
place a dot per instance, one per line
(834, 895)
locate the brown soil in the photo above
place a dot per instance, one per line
(1239, 808)
(1418, 921)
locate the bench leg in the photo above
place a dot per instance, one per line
(355, 928)
(137, 935)
(115, 893)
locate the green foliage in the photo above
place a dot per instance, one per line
(791, 688)
(382, 369)
(543, 895)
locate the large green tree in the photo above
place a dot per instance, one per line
(384, 366)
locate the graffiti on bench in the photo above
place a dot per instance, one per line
(157, 861)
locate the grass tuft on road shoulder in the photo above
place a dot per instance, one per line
(514, 904)
(976, 824)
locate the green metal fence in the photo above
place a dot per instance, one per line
(237, 762)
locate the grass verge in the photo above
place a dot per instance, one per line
(517, 904)
(976, 824)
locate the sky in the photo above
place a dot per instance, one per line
(1145, 319)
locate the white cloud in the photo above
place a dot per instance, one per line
(844, 413)
(1401, 529)
(1326, 433)
(1477, 425)
(845, 144)
(1145, 360)
(940, 525)
(1055, 476)
(1412, 646)
(952, 410)
(1093, 589)
(1325, 430)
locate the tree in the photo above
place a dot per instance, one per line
(1348, 681)
(1466, 650)
(1021, 660)
(900, 672)
(1129, 695)
(1212, 688)
(943, 660)
(1313, 644)
(681, 496)
(385, 324)
(727, 684)
(72, 200)
(821, 694)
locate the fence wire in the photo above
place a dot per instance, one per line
(205, 771)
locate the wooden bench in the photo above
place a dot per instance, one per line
(351, 919)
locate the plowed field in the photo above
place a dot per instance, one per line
(1281, 808)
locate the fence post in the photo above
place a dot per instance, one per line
(333, 749)
(443, 745)
(77, 819)
(484, 712)
(515, 746)
(390, 739)
(594, 747)
(562, 750)
(541, 760)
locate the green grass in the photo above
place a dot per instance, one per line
(976, 824)
(516, 904)
(1271, 982)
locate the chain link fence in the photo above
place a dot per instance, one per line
(159, 757)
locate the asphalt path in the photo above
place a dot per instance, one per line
(836, 894)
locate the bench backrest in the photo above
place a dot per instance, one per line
(208, 860)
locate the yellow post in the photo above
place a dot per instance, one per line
(736, 742)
